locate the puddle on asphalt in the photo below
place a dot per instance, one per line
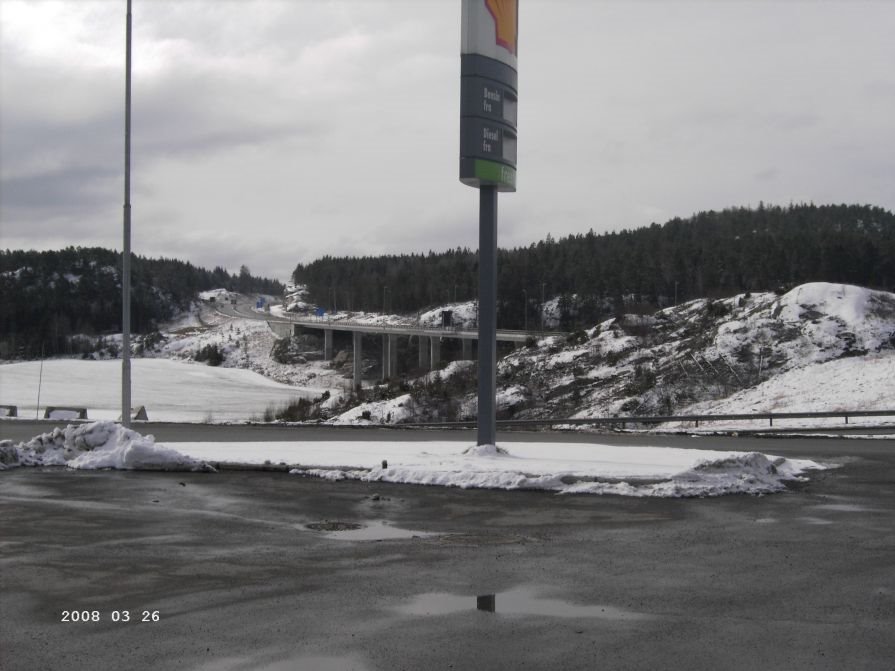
(518, 601)
(334, 526)
(815, 520)
(376, 530)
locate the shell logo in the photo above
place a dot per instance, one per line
(505, 17)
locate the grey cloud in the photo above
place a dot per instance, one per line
(58, 191)
(345, 114)
(766, 175)
(85, 170)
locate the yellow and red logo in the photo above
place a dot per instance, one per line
(505, 14)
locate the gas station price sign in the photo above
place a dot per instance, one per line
(488, 93)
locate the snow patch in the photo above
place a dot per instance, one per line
(392, 411)
(463, 315)
(215, 294)
(565, 468)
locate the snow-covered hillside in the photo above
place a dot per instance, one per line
(704, 351)
(241, 343)
(748, 353)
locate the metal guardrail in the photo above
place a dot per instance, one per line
(598, 421)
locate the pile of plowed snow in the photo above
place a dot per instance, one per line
(95, 446)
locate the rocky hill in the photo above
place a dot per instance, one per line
(700, 351)
(681, 358)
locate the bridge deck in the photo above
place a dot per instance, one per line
(504, 335)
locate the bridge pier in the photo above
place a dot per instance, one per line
(435, 361)
(424, 352)
(327, 344)
(357, 337)
(467, 349)
(389, 356)
(392, 356)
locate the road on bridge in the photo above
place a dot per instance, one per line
(245, 311)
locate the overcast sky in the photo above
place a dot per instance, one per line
(272, 132)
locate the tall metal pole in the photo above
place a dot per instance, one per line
(126, 254)
(487, 423)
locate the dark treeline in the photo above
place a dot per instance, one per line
(710, 254)
(49, 296)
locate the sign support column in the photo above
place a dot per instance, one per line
(487, 420)
(488, 138)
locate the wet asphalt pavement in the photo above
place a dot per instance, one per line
(799, 580)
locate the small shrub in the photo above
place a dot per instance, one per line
(643, 380)
(576, 337)
(288, 351)
(716, 309)
(210, 354)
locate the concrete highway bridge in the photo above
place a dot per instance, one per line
(429, 338)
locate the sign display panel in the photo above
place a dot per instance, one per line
(490, 29)
(488, 93)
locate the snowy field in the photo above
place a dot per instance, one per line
(172, 391)
(558, 467)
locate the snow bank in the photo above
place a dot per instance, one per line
(486, 451)
(566, 468)
(739, 473)
(95, 446)
(491, 467)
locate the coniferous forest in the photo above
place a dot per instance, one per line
(49, 296)
(710, 254)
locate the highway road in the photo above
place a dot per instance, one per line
(788, 445)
